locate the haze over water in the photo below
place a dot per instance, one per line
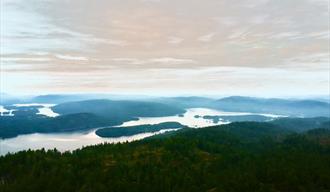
(71, 141)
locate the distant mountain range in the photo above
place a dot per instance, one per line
(301, 108)
(87, 114)
(297, 108)
(7, 99)
(289, 107)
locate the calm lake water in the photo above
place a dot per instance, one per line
(71, 141)
(64, 141)
(190, 119)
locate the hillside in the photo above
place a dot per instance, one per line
(302, 124)
(235, 157)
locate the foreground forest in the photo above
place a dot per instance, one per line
(243, 156)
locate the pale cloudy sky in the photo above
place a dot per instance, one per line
(231, 47)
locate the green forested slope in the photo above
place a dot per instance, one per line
(235, 157)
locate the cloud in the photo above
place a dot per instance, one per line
(319, 61)
(168, 42)
(206, 38)
(320, 35)
(132, 61)
(175, 40)
(161, 61)
(23, 59)
(227, 21)
(151, 1)
(287, 35)
(70, 57)
(171, 60)
(114, 42)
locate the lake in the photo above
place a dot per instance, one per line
(64, 141)
(71, 141)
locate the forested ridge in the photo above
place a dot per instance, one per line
(244, 156)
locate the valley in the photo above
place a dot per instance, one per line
(73, 125)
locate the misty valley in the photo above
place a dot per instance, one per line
(68, 123)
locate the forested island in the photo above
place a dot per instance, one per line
(132, 130)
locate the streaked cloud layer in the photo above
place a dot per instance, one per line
(265, 47)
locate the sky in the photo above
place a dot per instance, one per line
(225, 47)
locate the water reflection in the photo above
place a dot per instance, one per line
(193, 118)
(64, 141)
